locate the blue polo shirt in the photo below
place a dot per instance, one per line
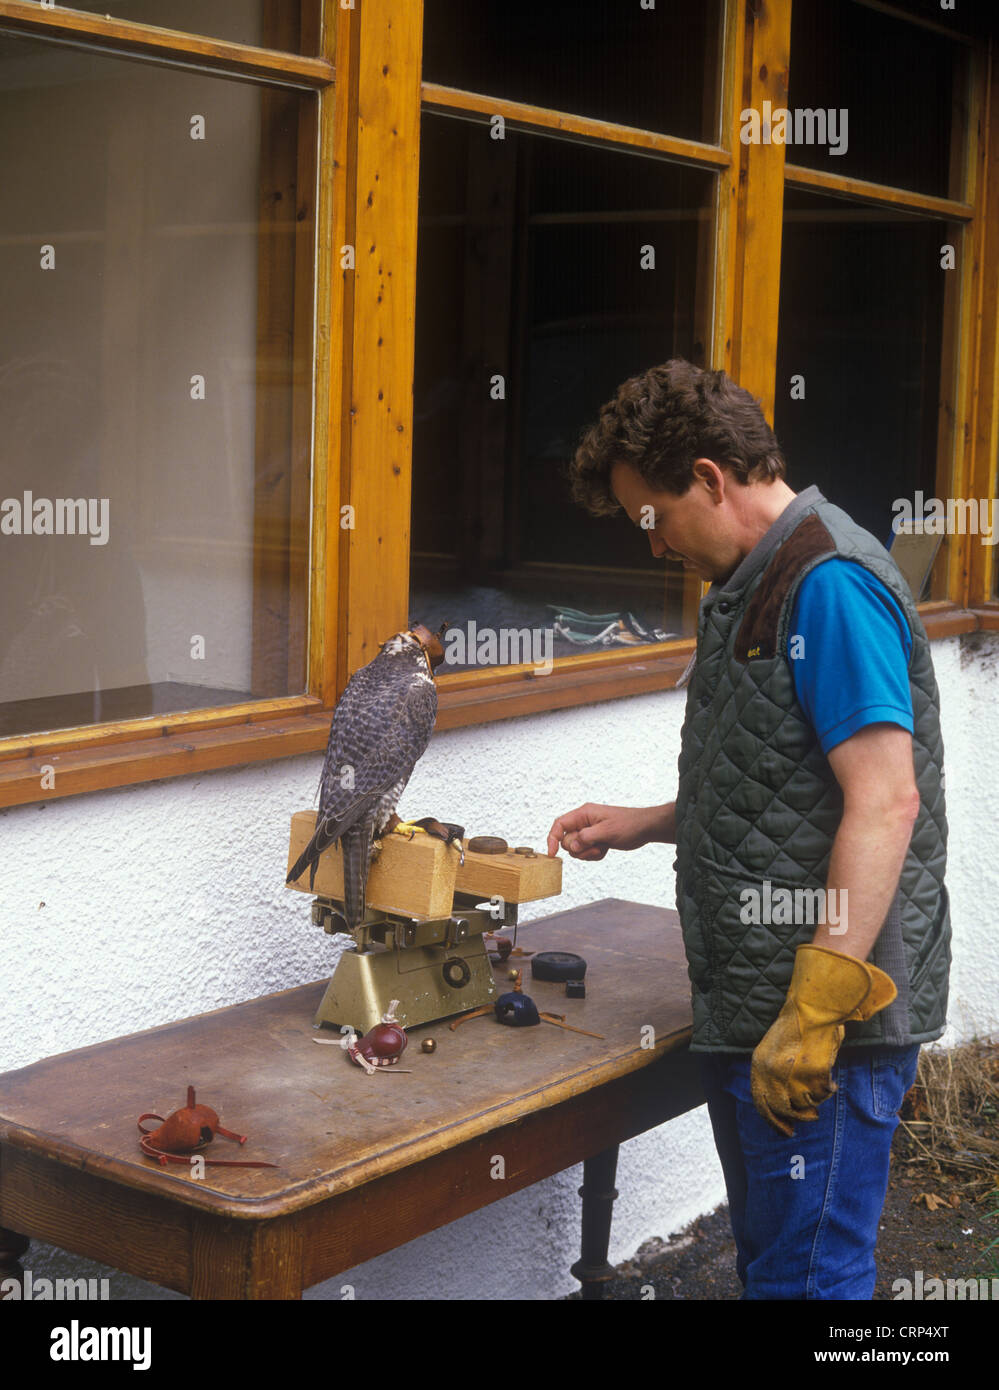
(854, 654)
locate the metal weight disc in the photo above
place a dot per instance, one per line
(558, 965)
(487, 844)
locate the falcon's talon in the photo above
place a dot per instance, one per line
(447, 831)
(409, 828)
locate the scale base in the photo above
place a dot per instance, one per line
(365, 982)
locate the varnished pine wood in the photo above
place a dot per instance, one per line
(377, 448)
(177, 754)
(334, 362)
(877, 194)
(155, 727)
(961, 346)
(987, 617)
(636, 656)
(754, 349)
(303, 391)
(125, 39)
(727, 285)
(325, 537)
(521, 116)
(984, 481)
(531, 695)
(946, 619)
(282, 199)
(479, 695)
(186, 751)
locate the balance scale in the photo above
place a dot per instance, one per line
(421, 939)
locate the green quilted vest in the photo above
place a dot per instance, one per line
(758, 801)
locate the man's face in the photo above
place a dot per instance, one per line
(694, 527)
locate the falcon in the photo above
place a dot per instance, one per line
(379, 731)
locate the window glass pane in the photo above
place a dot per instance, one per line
(652, 68)
(155, 389)
(865, 312)
(532, 307)
(876, 98)
(290, 25)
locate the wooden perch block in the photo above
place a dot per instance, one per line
(412, 877)
(518, 878)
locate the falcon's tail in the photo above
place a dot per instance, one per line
(309, 858)
(326, 833)
(356, 845)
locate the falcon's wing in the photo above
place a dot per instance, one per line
(379, 730)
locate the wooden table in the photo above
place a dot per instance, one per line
(366, 1163)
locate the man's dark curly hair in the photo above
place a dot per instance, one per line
(663, 420)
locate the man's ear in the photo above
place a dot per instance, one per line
(712, 476)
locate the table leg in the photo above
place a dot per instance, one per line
(12, 1247)
(598, 1193)
(246, 1259)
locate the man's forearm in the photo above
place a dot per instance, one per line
(867, 857)
(664, 823)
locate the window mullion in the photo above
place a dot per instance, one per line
(757, 269)
(378, 404)
(982, 576)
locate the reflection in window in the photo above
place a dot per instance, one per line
(865, 308)
(902, 89)
(150, 368)
(532, 307)
(288, 25)
(656, 68)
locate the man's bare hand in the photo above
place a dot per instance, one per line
(591, 830)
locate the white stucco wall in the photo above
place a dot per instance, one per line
(168, 899)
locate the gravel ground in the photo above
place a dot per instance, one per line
(698, 1263)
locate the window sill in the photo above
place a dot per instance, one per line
(481, 697)
(945, 619)
(118, 757)
(987, 617)
(149, 750)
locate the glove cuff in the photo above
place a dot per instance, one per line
(840, 987)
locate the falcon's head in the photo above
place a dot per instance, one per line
(431, 642)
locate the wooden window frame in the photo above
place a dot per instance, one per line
(751, 178)
(366, 197)
(966, 465)
(40, 767)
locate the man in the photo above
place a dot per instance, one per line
(809, 823)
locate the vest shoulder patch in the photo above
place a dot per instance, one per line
(757, 635)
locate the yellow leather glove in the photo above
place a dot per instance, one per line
(791, 1069)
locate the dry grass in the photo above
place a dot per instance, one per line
(950, 1117)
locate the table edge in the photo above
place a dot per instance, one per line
(310, 1191)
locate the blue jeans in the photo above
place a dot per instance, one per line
(805, 1210)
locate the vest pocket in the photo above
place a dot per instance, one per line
(750, 928)
(937, 945)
